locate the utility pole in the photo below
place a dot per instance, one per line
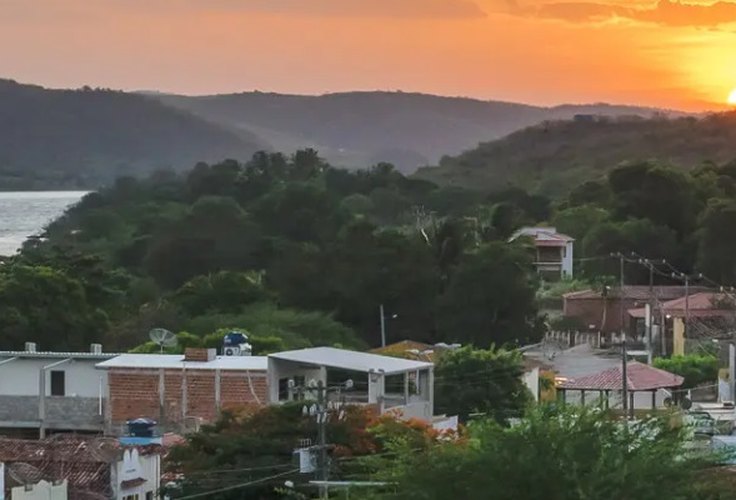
(621, 295)
(383, 326)
(687, 305)
(650, 345)
(322, 437)
(321, 413)
(732, 371)
(624, 378)
(624, 361)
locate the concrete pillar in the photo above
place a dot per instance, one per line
(218, 403)
(161, 397)
(406, 388)
(678, 336)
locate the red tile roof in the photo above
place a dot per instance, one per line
(640, 377)
(71, 458)
(701, 305)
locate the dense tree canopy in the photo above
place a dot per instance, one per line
(558, 454)
(293, 245)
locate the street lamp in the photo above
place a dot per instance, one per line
(383, 324)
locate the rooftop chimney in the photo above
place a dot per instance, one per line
(95, 348)
(30, 347)
(199, 354)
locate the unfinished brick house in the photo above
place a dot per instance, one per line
(181, 392)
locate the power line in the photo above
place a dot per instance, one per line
(238, 486)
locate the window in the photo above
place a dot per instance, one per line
(131, 497)
(149, 495)
(57, 383)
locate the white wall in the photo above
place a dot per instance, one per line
(135, 466)
(20, 377)
(40, 491)
(531, 380)
(279, 369)
(567, 261)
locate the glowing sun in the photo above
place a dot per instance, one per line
(732, 98)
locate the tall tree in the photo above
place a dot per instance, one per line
(469, 380)
(491, 297)
(717, 242)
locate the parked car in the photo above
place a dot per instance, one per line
(701, 423)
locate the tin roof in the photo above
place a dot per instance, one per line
(176, 361)
(57, 355)
(350, 360)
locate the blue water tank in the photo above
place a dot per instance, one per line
(234, 339)
(141, 427)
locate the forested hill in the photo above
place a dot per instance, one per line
(355, 129)
(81, 138)
(553, 157)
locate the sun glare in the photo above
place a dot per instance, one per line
(732, 98)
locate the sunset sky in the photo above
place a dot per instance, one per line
(538, 51)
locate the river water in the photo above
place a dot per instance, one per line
(26, 213)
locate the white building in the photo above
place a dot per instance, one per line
(403, 386)
(553, 251)
(52, 391)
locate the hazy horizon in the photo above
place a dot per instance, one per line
(155, 91)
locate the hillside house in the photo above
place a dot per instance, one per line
(47, 392)
(389, 384)
(553, 251)
(181, 391)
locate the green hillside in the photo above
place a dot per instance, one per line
(81, 138)
(554, 156)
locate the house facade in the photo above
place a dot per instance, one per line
(607, 310)
(46, 392)
(181, 392)
(553, 251)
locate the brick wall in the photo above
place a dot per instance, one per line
(590, 312)
(135, 393)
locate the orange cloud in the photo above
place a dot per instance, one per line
(665, 12)
(408, 9)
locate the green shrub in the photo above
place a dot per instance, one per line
(695, 368)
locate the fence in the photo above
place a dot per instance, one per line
(569, 339)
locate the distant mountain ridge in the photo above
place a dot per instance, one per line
(83, 138)
(355, 129)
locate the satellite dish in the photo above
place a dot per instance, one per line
(23, 473)
(162, 337)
